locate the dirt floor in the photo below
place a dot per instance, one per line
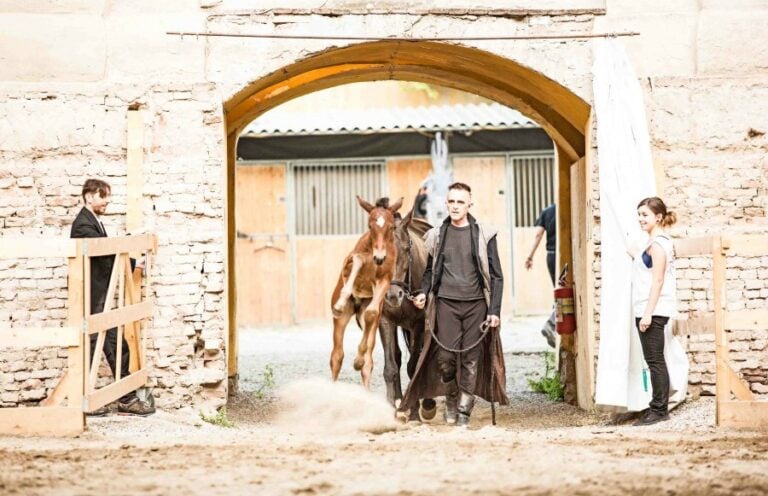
(303, 435)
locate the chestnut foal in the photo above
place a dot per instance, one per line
(363, 283)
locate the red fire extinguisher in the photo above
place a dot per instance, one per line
(565, 318)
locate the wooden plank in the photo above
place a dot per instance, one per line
(113, 318)
(28, 247)
(116, 390)
(133, 329)
(703, 324)
(59, 393)
(753, 319)
(747, 245)
(739, 386)
(405, 177)
(722, 385)
(135, 171)
(42, 421)
(262, 209)
(751, 415)
(121, 244)
(87, 359)
(35, 337)
(75, 317)
(113, 278)
(230, 295)
(121, 281)
(694, 247)
(583, 251)
(93, 369)
(261, 198)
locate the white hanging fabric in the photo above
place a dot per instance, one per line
(438, 181)
(626, 176)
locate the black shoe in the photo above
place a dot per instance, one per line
(549, 334)
(135, 406)
(651, 417)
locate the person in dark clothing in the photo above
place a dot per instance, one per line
(464, 276)
(87, 224)
(420, 204)
(546, 223)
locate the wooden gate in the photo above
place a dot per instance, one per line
(76, 387)
(736, 405)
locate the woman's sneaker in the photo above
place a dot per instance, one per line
(651, 417)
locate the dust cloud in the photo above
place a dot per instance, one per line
(319, 406)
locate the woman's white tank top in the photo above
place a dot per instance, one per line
(642, 276)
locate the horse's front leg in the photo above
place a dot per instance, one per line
(371, 316)
(388, 332)
(349, 284)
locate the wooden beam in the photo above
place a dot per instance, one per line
(42, 421)
(121, 244)
(37, 247)
(116, 390)
(739, 386)
(134, 219)
(753, 319)
(722, 378)
(76, 357)
(748, 245)
(133, 329)
(35, 337)
(751, 415)
(93, 365)
(694, 247)
(113, 318)
(59, 393)
(230, 295)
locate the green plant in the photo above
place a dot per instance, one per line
(267, 383)
(549, 383)
(219, 419)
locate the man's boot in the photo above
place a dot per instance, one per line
(466, 402)
(451, 402)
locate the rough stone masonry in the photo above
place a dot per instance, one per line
(64, 105)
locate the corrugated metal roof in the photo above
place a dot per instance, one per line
(465, 117)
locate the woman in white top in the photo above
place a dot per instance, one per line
(654, 300)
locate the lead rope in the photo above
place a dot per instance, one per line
(483, 332)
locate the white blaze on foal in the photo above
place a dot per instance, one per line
(380, 221)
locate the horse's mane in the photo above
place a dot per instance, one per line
(383, 202)
(416, 226)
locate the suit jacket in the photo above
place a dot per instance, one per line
(87, 226)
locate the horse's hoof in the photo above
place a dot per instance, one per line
(358, 363)
(428, 413)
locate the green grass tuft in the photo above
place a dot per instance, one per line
(549, 383)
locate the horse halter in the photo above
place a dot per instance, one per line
(407, 287)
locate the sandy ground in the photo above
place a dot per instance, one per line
(312, 437)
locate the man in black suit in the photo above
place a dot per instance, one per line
(96, 195)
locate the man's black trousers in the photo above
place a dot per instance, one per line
(458, 326)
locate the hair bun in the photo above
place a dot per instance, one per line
(669, 219)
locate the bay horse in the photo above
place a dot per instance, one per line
(400, 311)
(364, 280)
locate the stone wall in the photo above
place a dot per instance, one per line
(71, 134)
(64, 103)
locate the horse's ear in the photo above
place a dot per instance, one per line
(366, 206)
(396, 206)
